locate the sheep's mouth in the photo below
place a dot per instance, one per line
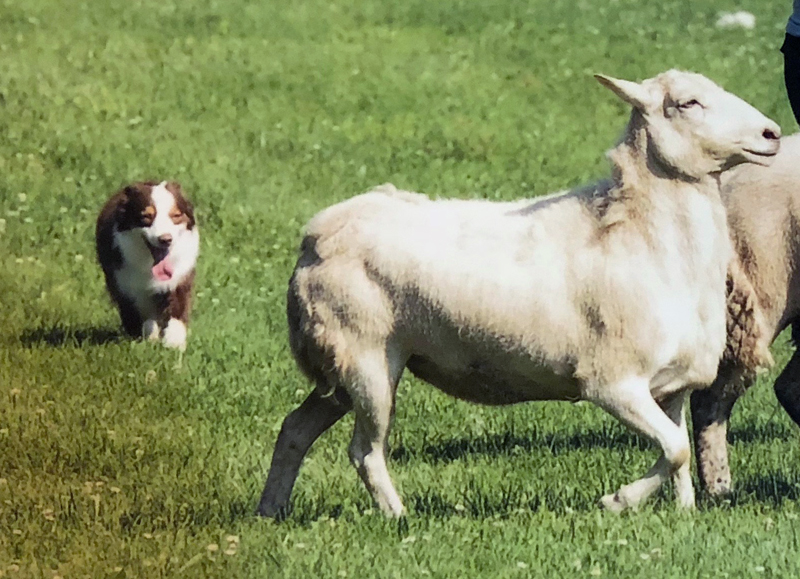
(760, 157)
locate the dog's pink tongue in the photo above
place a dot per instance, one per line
(162, 271)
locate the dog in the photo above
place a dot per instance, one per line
(147, 244)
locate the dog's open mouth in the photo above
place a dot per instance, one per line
(162, 264)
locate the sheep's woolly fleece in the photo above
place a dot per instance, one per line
(747, 345)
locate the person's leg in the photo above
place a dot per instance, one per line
(791, 72)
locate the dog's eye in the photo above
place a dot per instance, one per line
(176, 216)
(689, 104)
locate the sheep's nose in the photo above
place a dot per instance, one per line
(165, 238)
(772, 134)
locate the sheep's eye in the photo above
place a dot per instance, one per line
(689, 104)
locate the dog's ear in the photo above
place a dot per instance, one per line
(181, 201)
(188, 209)
(126, 214)
(136, 189)
(124, 202)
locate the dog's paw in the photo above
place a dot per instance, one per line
(175, 334)
(150, 330)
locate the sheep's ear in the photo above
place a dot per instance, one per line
(631, 92)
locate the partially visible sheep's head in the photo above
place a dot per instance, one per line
(694, 127)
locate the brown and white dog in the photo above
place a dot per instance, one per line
(147, 244)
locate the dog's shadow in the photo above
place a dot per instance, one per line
(58, 336)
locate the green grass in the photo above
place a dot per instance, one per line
(113, 463)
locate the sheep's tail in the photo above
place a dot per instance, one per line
(313, 358)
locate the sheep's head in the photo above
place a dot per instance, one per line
(693, 126)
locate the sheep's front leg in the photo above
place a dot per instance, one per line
(632, 403)
(674, 407)
(711, 410)
(299, 431)
(373, 391)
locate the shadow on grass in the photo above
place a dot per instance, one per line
(474, 501)
(508, 443)
(771, 488)
(760, 432)
(59, 336)
(477, 501)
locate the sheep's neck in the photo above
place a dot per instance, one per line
(642, 184)
(637, 169)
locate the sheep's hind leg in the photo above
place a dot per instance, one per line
(711, 410)
(299, 431)
(373, 384)
(632, 403)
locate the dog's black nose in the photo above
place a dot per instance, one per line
(165, 239)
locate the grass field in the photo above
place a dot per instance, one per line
(115, 463)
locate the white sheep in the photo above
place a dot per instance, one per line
(763, 205)
(613, 293)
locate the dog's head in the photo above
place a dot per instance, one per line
(161, 213)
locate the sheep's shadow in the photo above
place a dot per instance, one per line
(472, 502)
(751, 432)
(508, 443)
(476, 503)
(768, 488)
(771, 488)
(58, 336)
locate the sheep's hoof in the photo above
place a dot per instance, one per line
(614, 503)
(273, 511)
(720, 487)
(686, 499)
(392, 511)
(396, 514)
